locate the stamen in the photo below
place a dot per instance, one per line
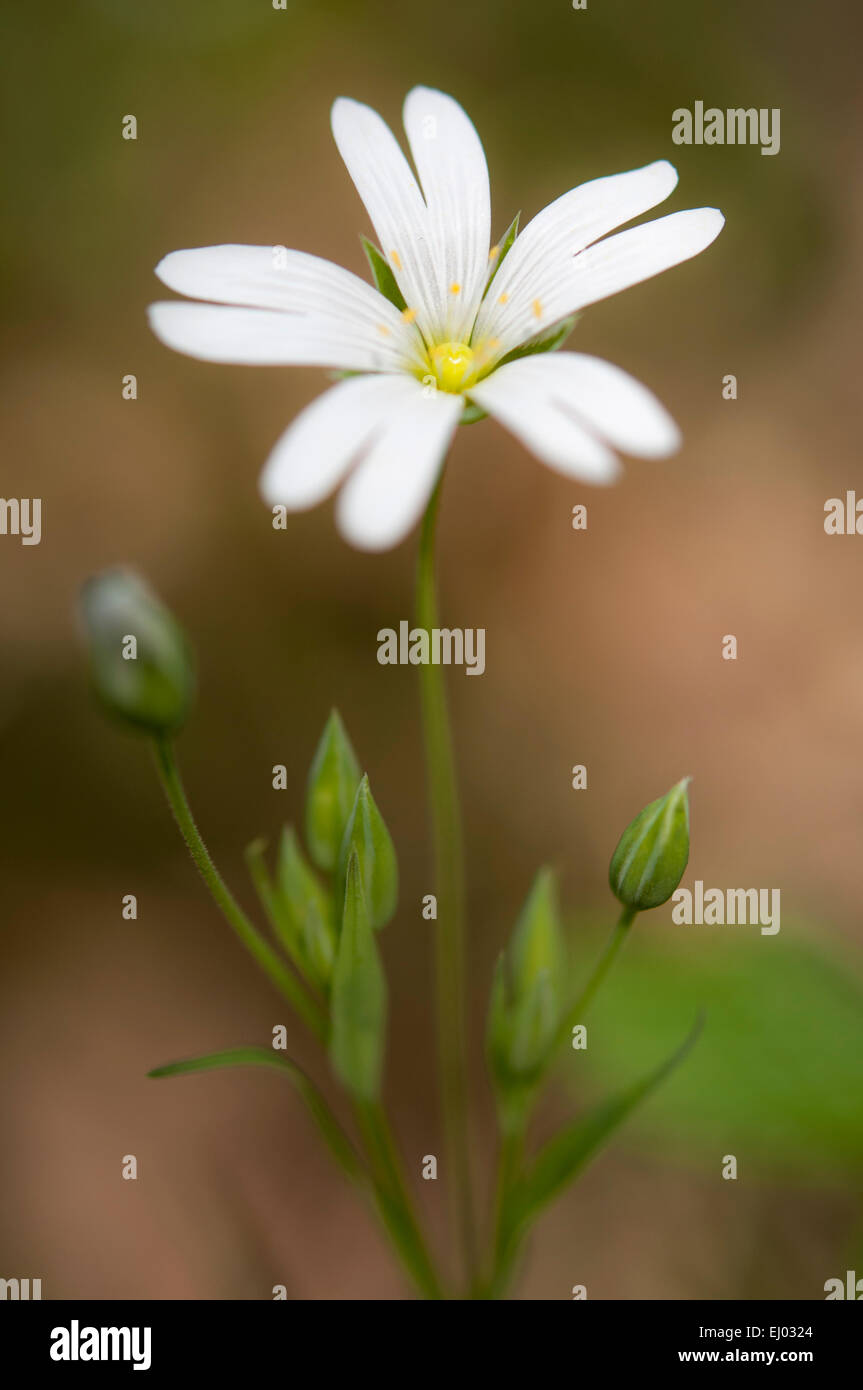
(396, 259)
(455, 288)
(537, 309)
(382, 329)
(409, 315)
(502, 298)
(494, 253)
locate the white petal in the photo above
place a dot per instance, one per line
(615, 264)
(527, 398)
(264, 337)
(317, 450)
(321, 301)
(388, 491)
(451, 164)
(386, 184)
(606, 400)
(545, 247)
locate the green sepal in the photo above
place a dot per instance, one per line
(548, 341)
(308, 911)
(653, 851)
(366, 835)
(472, 413)
(384, 278)
(299, 909)
(358, 1001)
(505, 245)
(333, 780)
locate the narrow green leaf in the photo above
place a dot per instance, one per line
(384, 278)
(333, 780)
(565, 1155)
(334, 1136)
(256, 863)
(504, 246)
(358, 1005)
(366, 835)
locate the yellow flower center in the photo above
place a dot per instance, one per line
(454, 366)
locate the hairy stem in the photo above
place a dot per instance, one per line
(268, 959)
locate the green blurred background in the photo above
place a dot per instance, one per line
(603, 647)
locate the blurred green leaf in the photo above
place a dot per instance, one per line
(569, 1151)
(777, 1078)
(564, 1156)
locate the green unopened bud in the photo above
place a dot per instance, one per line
(367, 836)
(333, 780)
(298, 907)
(141, 664)
(358, 1002)
(307, 910)
(653, 851)
(527, 992)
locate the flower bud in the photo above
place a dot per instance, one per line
(307, 909)
(527, 992)
(141, 664)
(358, 1002)
(653, 851)
(366, 835)
(333, 780)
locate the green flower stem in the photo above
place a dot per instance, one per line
(512, 1142)
(394, 1200)
(449, 873)
(282, 977)
(619, 934)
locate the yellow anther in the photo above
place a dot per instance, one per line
(455, 288)
(493, 253)
(502, 298)
(396, 259)
(537, 309)
(383, 330)
(409, 315)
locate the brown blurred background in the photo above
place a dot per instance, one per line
(603, 647)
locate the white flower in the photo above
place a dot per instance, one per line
(383, 434)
